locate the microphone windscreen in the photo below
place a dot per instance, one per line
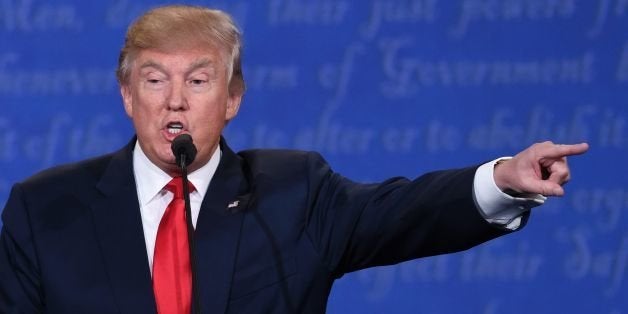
(183, 145)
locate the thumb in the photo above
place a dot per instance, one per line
(547, 188)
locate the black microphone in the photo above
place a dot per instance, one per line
(184, 152)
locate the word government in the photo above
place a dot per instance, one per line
(404, 75)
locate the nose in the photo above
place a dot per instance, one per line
(177, 100)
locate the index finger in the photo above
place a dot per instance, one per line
(563, 150)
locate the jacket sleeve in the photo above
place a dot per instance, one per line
(355, 226)
(20, 286)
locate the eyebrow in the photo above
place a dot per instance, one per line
(153, 64)
(201, 63)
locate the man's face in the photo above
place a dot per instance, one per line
(185, 91)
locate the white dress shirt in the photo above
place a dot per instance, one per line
(153, 198)
(495, 206)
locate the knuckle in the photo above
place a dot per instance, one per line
(564, 174)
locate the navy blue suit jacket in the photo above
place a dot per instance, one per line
(72, 240)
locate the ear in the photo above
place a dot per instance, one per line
(127, 99)
(233, 105)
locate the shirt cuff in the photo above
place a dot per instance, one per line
(496, 206)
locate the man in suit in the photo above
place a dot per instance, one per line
(273, 228)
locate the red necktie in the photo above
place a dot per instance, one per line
(172, 277)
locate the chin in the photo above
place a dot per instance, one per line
(171, 168)
(167, 160)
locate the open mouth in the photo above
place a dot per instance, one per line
(174, 127)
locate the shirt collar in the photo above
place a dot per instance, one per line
(150, 180)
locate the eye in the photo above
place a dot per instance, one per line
(198, 82)
(154, 83)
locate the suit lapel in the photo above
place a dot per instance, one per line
(119, 229)
(218, 231)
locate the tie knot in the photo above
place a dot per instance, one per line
(176, 187)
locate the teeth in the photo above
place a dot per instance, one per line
(175, 128)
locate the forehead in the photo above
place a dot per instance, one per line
(178, 60)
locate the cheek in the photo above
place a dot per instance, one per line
(210, 120)
(147, 104)
(210, 107)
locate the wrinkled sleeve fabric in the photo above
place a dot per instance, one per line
(355, 226)
(20, 286)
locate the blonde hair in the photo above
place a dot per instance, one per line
(176, 26)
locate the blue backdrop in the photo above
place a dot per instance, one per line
(380, 88)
